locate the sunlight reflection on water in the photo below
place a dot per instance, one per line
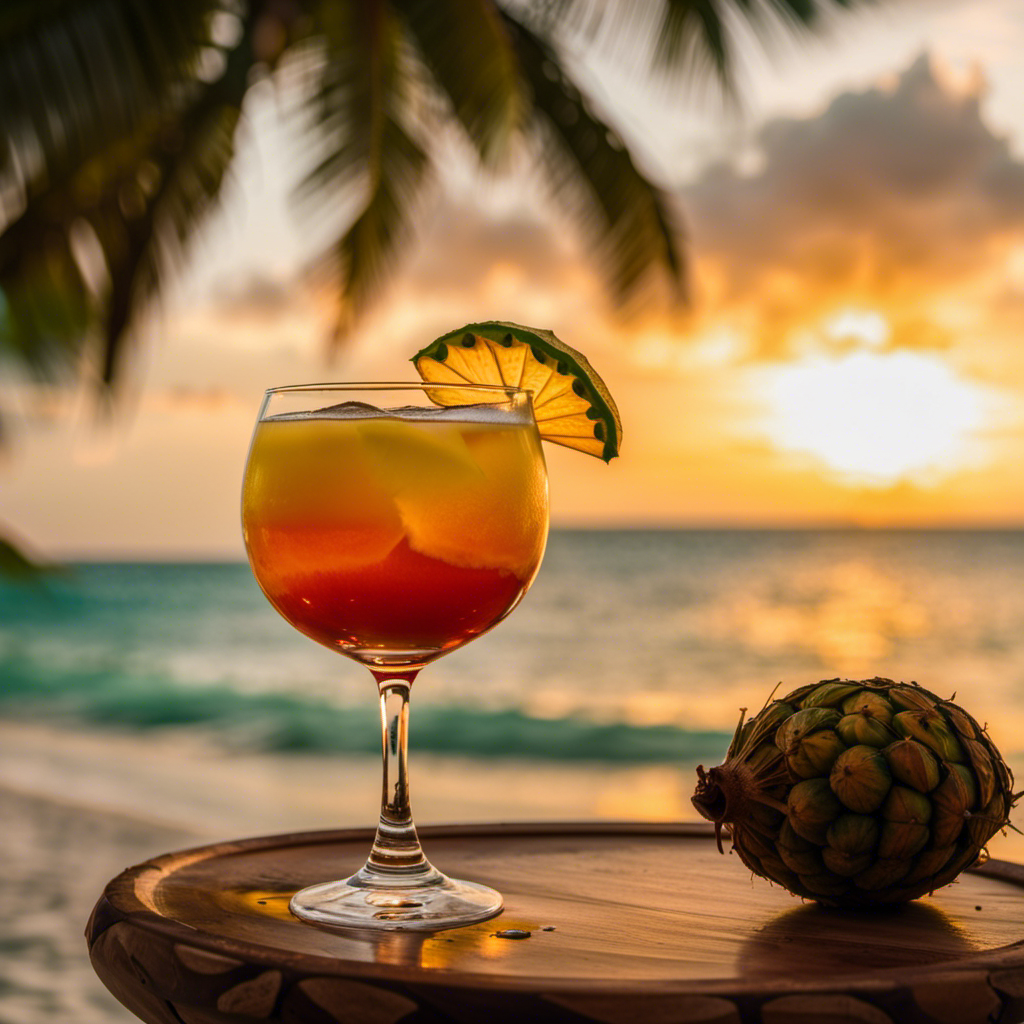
(638, 628)
(849, 615)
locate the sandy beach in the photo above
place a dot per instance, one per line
(56, 857)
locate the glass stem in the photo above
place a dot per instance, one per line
(396, 857)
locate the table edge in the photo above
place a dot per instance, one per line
(120, 903)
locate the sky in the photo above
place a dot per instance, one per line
(850, 355)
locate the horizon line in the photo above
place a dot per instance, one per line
(228, 558)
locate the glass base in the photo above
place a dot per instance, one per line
(351, 903)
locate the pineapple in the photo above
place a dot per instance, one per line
(859, 793)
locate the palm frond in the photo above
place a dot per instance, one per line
(16, 565)
(75, 79)
(44, 305)
(465, 45)
(152, 220)
(693, 34)
(138, 188)
(369, 156)
(349, 73)
(365, 252)
(594, 175)
(142, 232)
(689, 37)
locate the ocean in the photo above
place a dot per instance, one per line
(631, 647)
(149, 707)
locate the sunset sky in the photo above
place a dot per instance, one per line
(851, 354)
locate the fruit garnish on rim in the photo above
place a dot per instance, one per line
(571, 404)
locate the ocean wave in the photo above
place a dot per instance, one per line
(285, 723)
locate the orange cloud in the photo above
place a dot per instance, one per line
(887, 197)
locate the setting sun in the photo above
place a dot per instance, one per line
(875, 418)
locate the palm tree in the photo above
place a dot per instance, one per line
(118, 120)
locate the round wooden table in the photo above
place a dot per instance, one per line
(628, 924)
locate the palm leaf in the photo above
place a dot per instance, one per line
(689, 37)
(693, 32)
(44, 306)
(350, 73)
(595, 176)
(138, 185)
(140, 242)
(75, 79)
(370, 157)
(466, 47)
(365, 252)
(16, 565)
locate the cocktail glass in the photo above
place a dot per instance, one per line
(394, 523)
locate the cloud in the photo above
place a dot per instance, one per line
(888, 196)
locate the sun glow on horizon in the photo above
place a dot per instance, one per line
(876, 418)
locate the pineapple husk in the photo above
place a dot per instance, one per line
(858, 793)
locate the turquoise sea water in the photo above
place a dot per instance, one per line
(632, 645)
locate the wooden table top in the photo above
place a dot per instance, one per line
(627, 923)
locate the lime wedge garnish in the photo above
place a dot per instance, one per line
(571, 404)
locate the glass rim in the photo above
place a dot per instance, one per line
(377, 385)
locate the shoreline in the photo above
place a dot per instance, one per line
(183, 781)
(178, 779)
